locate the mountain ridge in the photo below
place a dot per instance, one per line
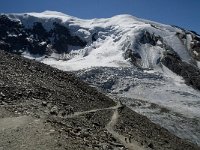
(130, 41)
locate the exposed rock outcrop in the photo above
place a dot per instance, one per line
(189, 72)
(15, 38)
(147, 38)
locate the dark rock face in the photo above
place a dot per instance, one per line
(63, 38)
(12, 37)
(15, 38)
(147, 38)
(94, 37)
(195, 47)
(39, 30)
(135, 57)
(152, 39)
(189, 72)
(181, 36)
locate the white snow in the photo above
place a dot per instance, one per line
(188, 40)
(171, 93)
(195, 52)
(178, 47)
(42, 43)
(198, 64)
(12, 35)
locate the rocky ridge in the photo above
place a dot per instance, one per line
(16, 38)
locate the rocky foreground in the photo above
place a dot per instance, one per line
(44, 108)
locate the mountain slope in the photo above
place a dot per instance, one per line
(67, 114)
(150, 66)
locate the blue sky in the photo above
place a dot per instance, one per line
(183, 13)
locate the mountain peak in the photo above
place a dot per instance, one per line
(50, 12)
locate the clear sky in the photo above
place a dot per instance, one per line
(183, 13)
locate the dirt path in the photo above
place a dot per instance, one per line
(132, 145)
(93, 110)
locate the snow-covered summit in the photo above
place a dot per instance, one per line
(70, 43)
(113, 37)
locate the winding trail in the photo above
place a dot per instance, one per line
(110, 127)
(133, 145)
(93, 110)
